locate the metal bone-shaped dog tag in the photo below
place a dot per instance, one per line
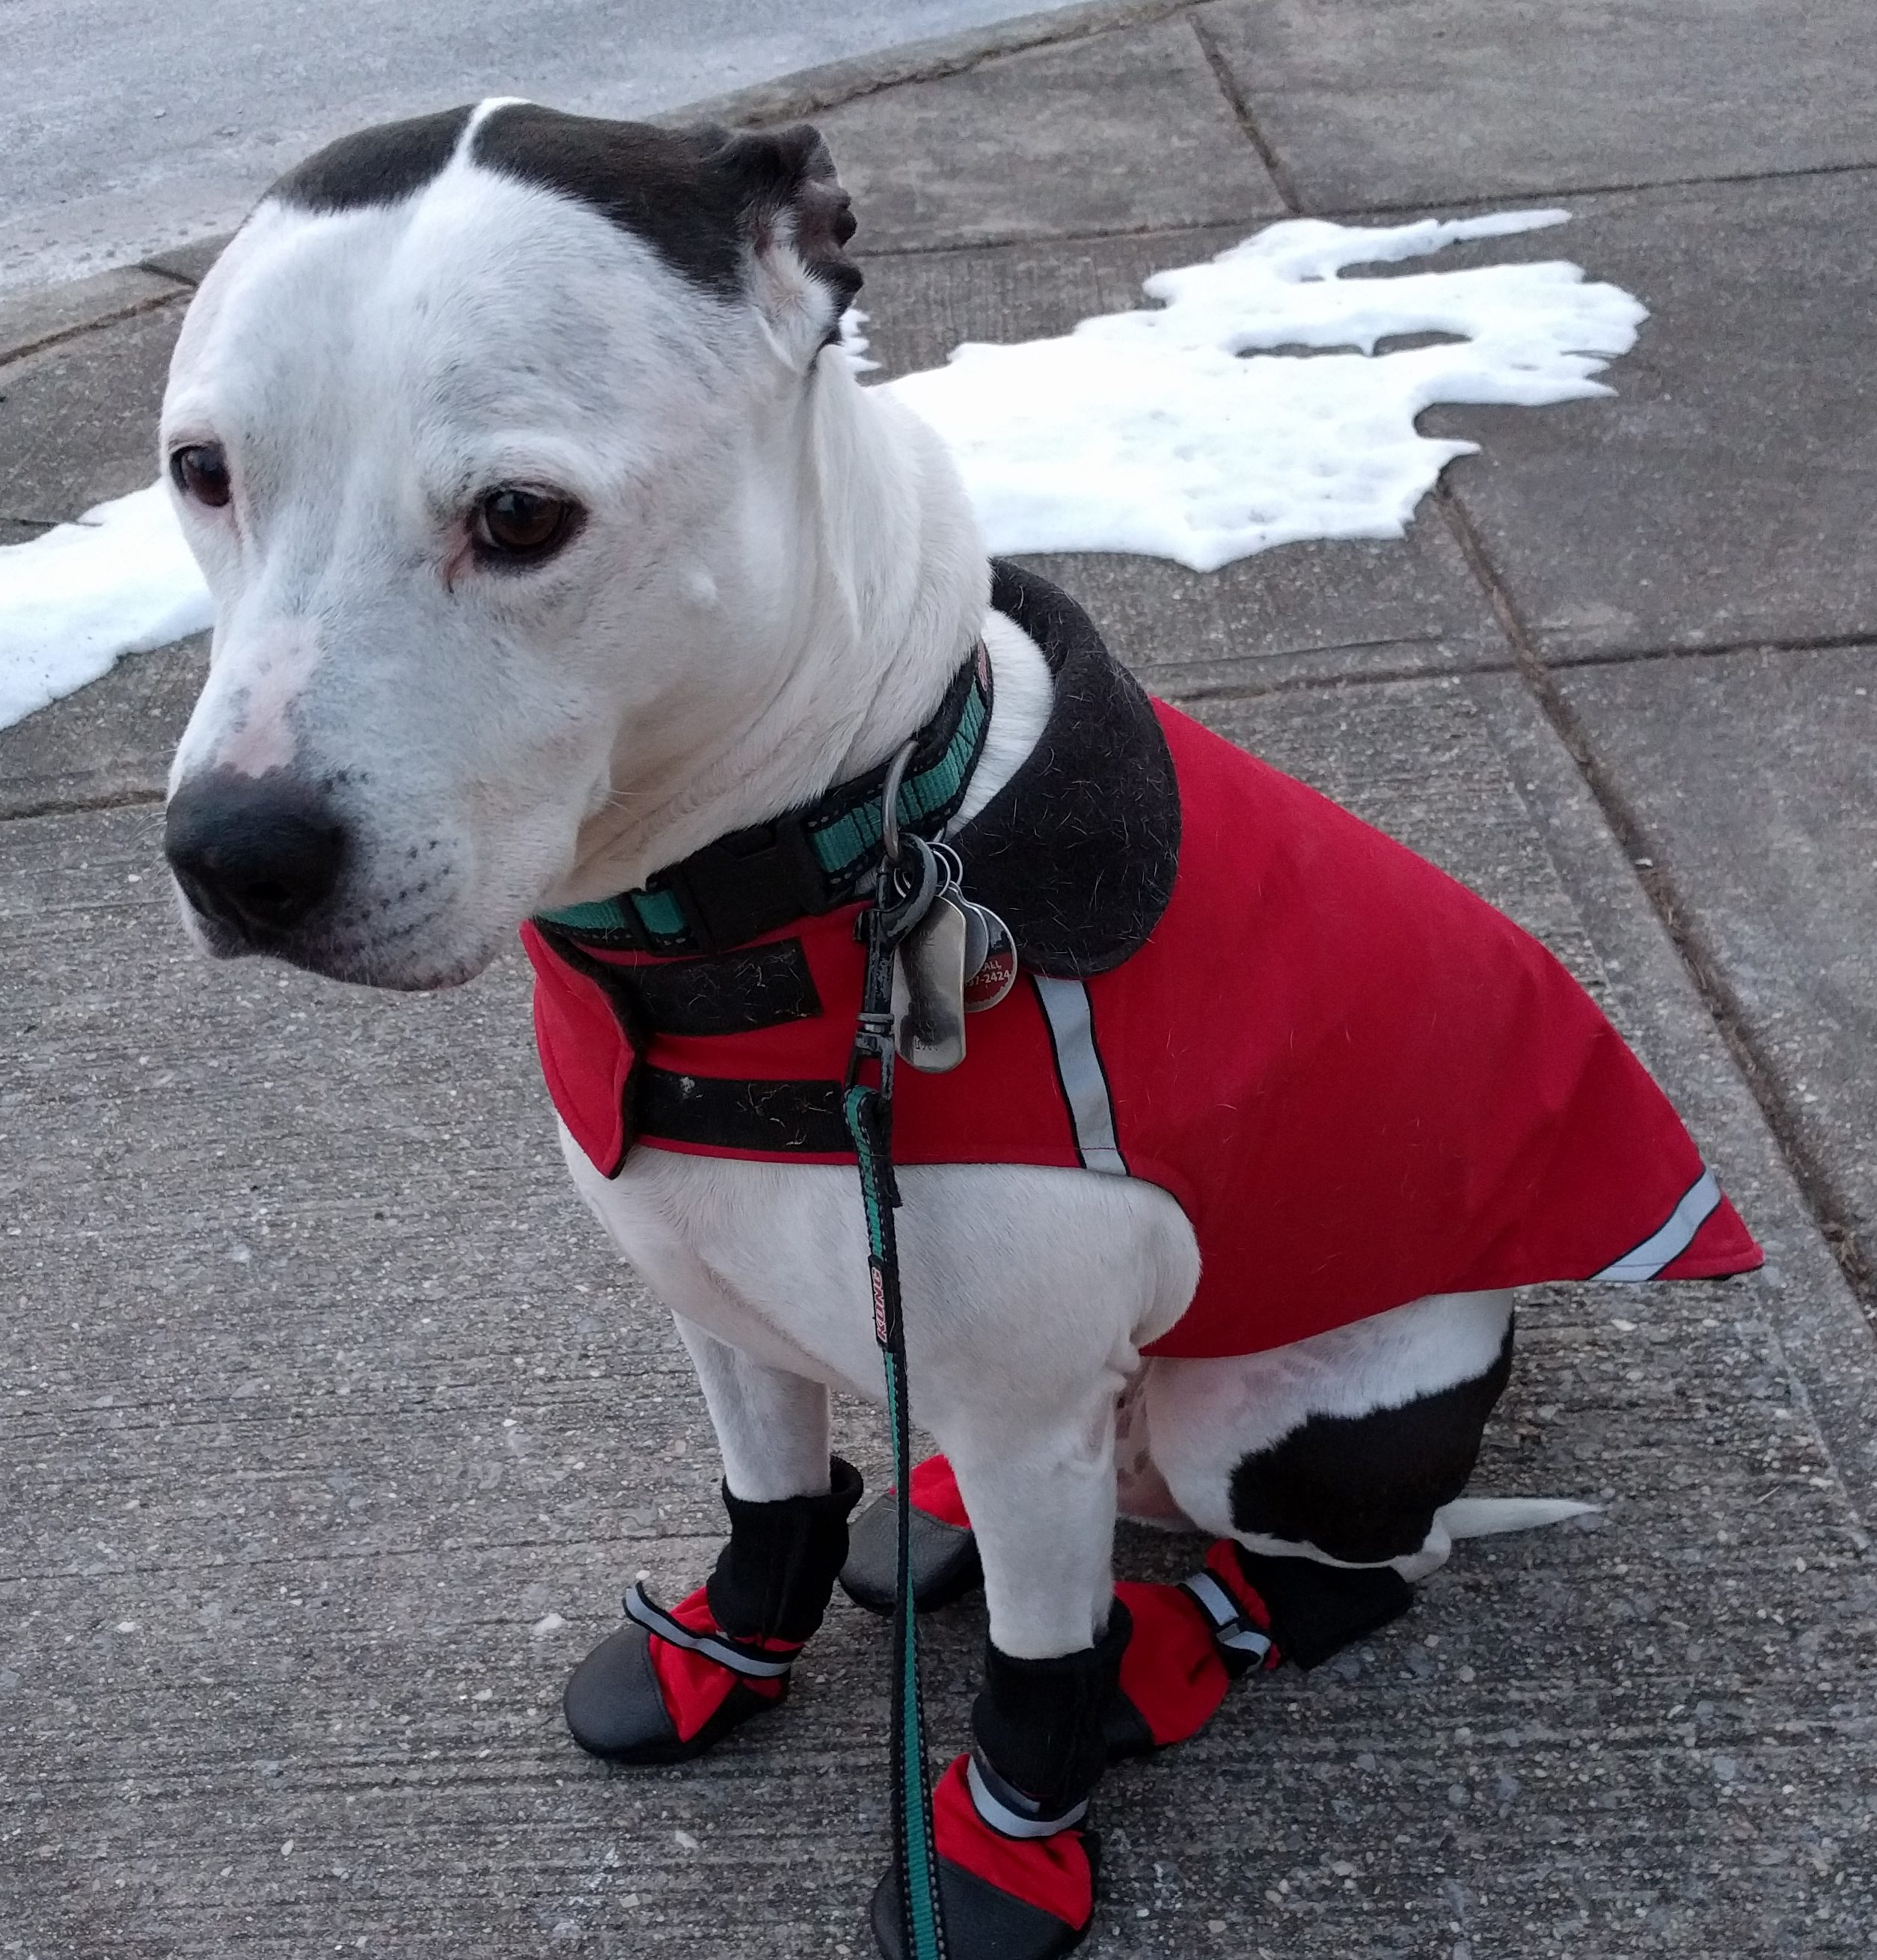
(993, 973)
(928, 1003)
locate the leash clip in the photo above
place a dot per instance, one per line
(873, 1041)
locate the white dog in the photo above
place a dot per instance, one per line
(552, 541)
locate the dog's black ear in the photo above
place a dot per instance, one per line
(798, 221)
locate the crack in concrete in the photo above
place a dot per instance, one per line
(811, 91)
(1421, 207)
(1819, 643)
(1255, 687)
(81, 806)
(1275, 168)
(150, 303)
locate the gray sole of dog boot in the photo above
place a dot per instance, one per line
(614, 1709)
(945, 1564)
(981, 1921)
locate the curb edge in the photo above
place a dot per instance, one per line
(802, 93)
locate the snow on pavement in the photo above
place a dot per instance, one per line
(120, 581)
(1177, 431)
(1251, 409)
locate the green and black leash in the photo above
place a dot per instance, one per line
(907, 884)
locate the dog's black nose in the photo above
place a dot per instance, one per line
(255, 854)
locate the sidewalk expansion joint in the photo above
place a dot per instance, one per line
(1274, 166)
(1255, 687)
(151, 303)
(809, 91)
(1830, 1213)
(1011, 241)
(1523, 195)
(1819, 643)
(81, 806)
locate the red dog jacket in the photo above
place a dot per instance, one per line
(1361, 1083)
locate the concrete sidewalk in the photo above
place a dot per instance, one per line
(331, 1433)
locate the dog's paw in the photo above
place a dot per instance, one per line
(1004, 1899)
(945, 1564)
(642, 1697)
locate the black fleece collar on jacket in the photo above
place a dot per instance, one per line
(1076, 852)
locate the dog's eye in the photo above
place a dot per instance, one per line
(514, 523)
(201, 471)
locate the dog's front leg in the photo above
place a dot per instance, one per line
(1015, 1860)
(1040, 1488)
(669, 1682)
(772, 1426)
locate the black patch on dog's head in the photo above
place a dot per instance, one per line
(660, 184)
(700, 198)
(379, 166)
(787, 175)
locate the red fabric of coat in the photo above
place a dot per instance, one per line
(1361, 1083)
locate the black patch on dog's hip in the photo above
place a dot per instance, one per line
(1365, 1488)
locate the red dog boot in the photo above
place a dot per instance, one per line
(1017, 1864)
(1190, 1643)
(945, 1564)
(1242, 1611)
(668, 1684)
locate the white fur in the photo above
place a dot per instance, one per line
(779, 575)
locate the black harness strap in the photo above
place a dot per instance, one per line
(733, 1113)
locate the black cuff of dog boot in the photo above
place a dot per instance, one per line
(1017, 1870)
(1042, 1725)
(945, 1563)
(773, 1580)
(1317, 1610)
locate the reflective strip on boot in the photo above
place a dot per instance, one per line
(1231, 1627)
(1008, 1811)
(737, 1655)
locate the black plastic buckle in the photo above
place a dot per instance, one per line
(748, 883)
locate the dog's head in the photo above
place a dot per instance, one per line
(477, 426)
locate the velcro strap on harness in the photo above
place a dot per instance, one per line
(1008, 1811)
(1231, 1627)
(739, 1656)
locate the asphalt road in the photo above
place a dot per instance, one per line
(129, 127)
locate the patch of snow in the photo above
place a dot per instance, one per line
(1179, 433)
(1186, 431)
(120, 580)
(853, 342)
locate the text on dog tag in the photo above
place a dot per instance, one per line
(991, 972)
